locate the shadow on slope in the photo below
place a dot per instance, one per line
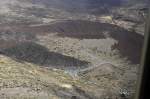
(37, 54)
(129, 43)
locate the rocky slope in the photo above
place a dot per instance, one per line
(64, 49)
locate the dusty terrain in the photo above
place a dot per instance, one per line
(58, 49)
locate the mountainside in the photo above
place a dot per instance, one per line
(70, 49)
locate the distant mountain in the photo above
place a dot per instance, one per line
(88, 6)
(35, 10)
